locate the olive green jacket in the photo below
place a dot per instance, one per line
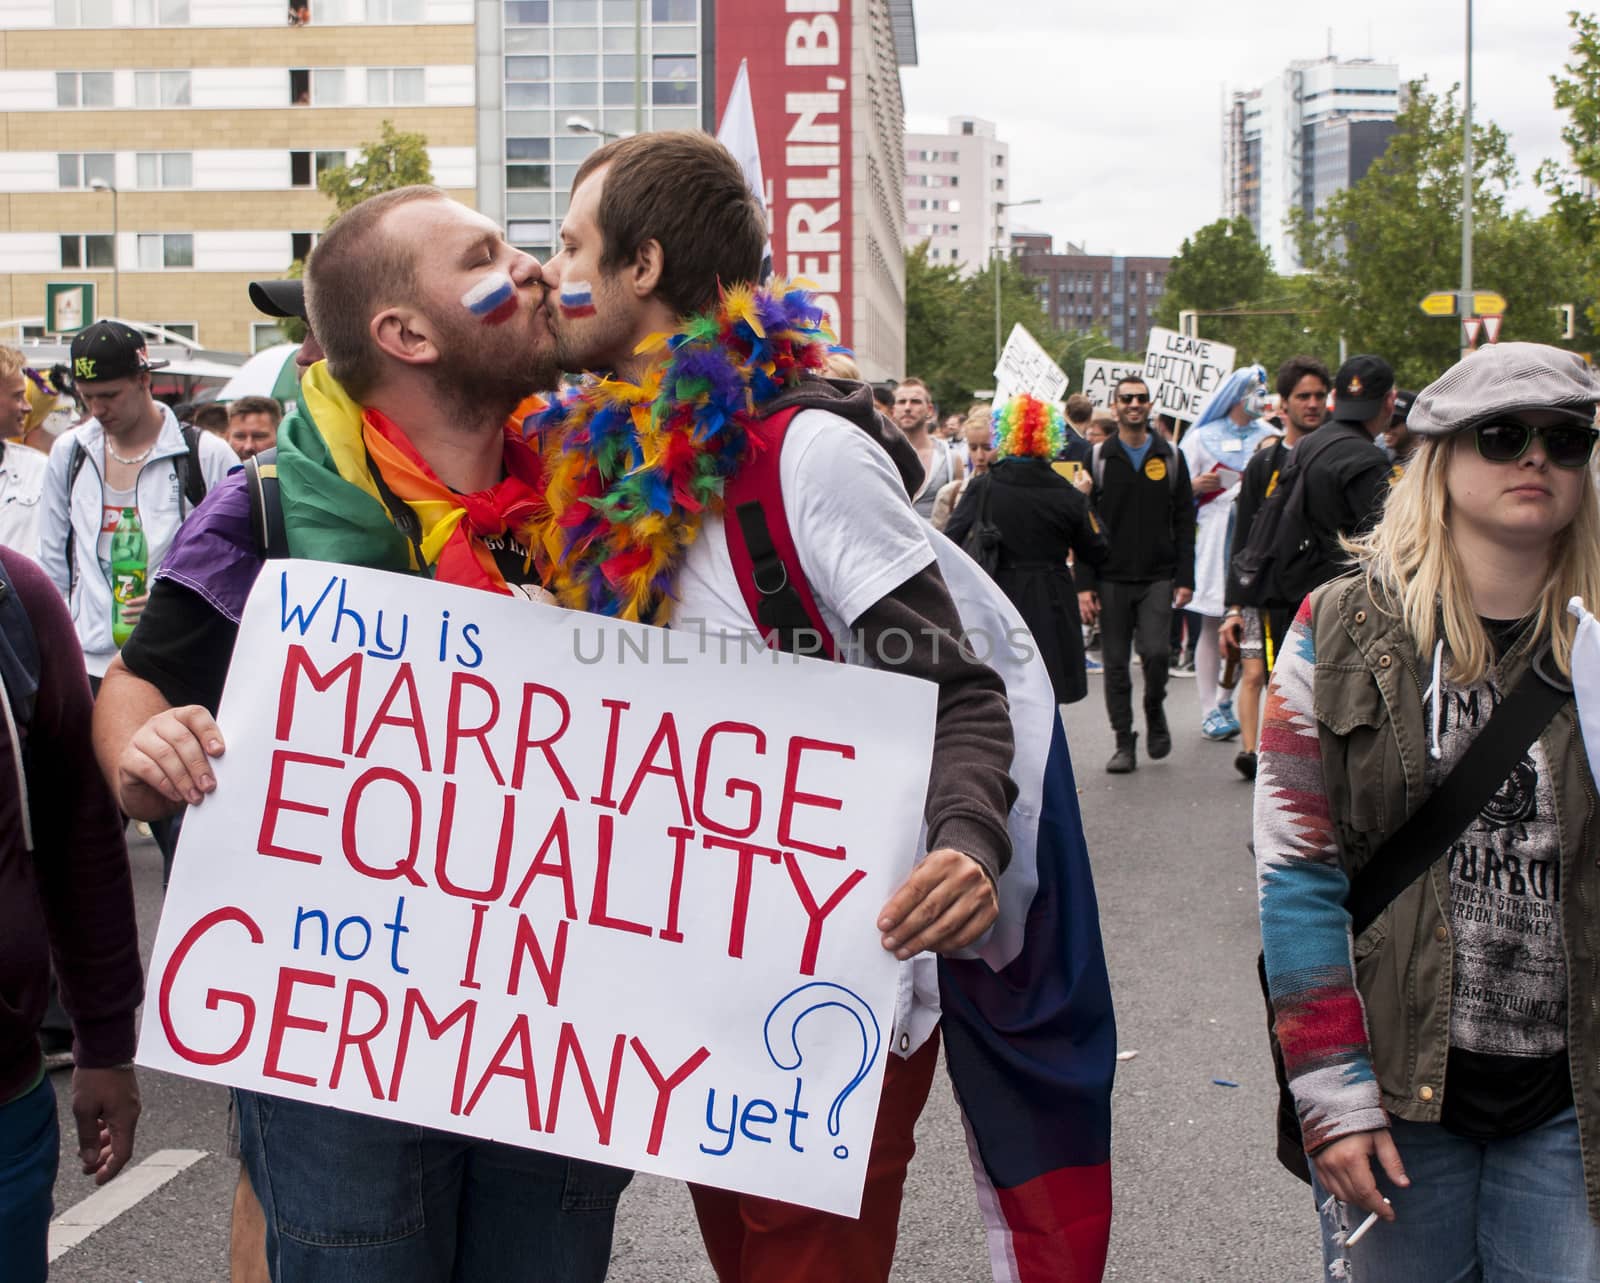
(1372, 726)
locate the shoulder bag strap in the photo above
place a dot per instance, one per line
(765, 559)
(1427, 834)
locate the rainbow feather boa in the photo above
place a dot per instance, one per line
(1027, 428)
(631, 470)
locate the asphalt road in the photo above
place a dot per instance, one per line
(1199, 1195)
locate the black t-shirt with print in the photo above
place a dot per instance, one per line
(1488, 1096)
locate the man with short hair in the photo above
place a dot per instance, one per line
(1142, 495)
(253, 425)
(211, 416)
(416, 394)
(1302, 384)
(131, 453)
(21, 469)
(656, 224)
(1077, 446)
(913, 415)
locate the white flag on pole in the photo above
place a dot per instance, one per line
(738, 134)
(1586, 677)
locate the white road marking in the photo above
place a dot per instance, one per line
(110, 1201)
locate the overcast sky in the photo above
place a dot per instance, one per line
(1113, 110)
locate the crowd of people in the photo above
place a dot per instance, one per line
(1359, 581)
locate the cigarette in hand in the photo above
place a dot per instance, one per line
(1362, 1229)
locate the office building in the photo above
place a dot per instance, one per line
(167, 150)
(1113, 293)
(956, 186)
(1295, 140)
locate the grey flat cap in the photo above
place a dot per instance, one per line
(1505, 378)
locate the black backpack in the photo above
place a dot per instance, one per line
(1285, 556)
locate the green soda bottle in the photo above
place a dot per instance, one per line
(130, 562)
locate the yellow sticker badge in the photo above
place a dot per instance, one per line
(1155, 468)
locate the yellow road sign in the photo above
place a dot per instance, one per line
(1488, 303)
(1440, 303)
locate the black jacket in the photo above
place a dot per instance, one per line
(1347, 481)
(1148, 520)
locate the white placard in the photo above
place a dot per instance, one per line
(1100, 377)
(1183, 372)
(1027, 367)
(549, 879)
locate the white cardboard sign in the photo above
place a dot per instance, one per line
(1182, 372)
(549, 879)
(1025, 367)
(1100, 377)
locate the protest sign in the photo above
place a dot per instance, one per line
(1027, 367)
(549, 879)
(1182, 372)
(1100, 377)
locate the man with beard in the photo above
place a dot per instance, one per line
(914, 415)
(663, 238)
(434, 335)
(1303, 383)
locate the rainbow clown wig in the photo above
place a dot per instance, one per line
(1028, 428)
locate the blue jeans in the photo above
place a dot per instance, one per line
(30, 1149)
(354, 1199)
(1506, 1211)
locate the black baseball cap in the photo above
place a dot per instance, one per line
(1360, 387)
(282, 299)
(1403, 401)
(109, 350)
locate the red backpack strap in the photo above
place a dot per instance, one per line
(765, 560)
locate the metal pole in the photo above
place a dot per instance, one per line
(995, 266)
(116, 255)
(1465, 307)
(638, 66)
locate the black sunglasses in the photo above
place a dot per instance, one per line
(1137, 398)
(1566, 445)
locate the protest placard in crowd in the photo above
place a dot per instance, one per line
(1100, 377)
(1182, 372)
(549, 879)
(1025, 367)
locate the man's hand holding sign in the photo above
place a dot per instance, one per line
(628, 911)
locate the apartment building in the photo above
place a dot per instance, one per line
(955, 194)
(1115, 294)
(167, 150)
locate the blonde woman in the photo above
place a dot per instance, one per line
(1445, 1061)
(979, 437)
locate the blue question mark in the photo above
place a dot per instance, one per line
(794, 1007)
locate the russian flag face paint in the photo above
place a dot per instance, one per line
(577, 299)
(493, 300)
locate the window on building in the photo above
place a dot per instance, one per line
(673, 10)
(397, 10)
(327, 87)
(527, 67)
(161, 88)
(577, 66)
(90, 250)
(524, 176)
(395, 86)
(265, 334)
(161, 251)
(528, 95)
(165, 168)
(966, 128)
(527, 13)
(165, 13)
(530, 234)
(183, 329)
(83, 13)
(84, 89)
(673, 79)
(300, 87)
(527, 149)
(301, 245)
(999, 184)
(305, 167)
(77, 170)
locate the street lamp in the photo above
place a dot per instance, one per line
(582, 125)
(1466, 191)
(100, 185)
(998, 255)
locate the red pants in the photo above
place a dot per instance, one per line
(759, 1240)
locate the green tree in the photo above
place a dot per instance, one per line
(1375, 249)
(394, 160)
(1571, 185)
(950, 326)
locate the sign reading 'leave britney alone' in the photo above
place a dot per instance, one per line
(508, 871)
